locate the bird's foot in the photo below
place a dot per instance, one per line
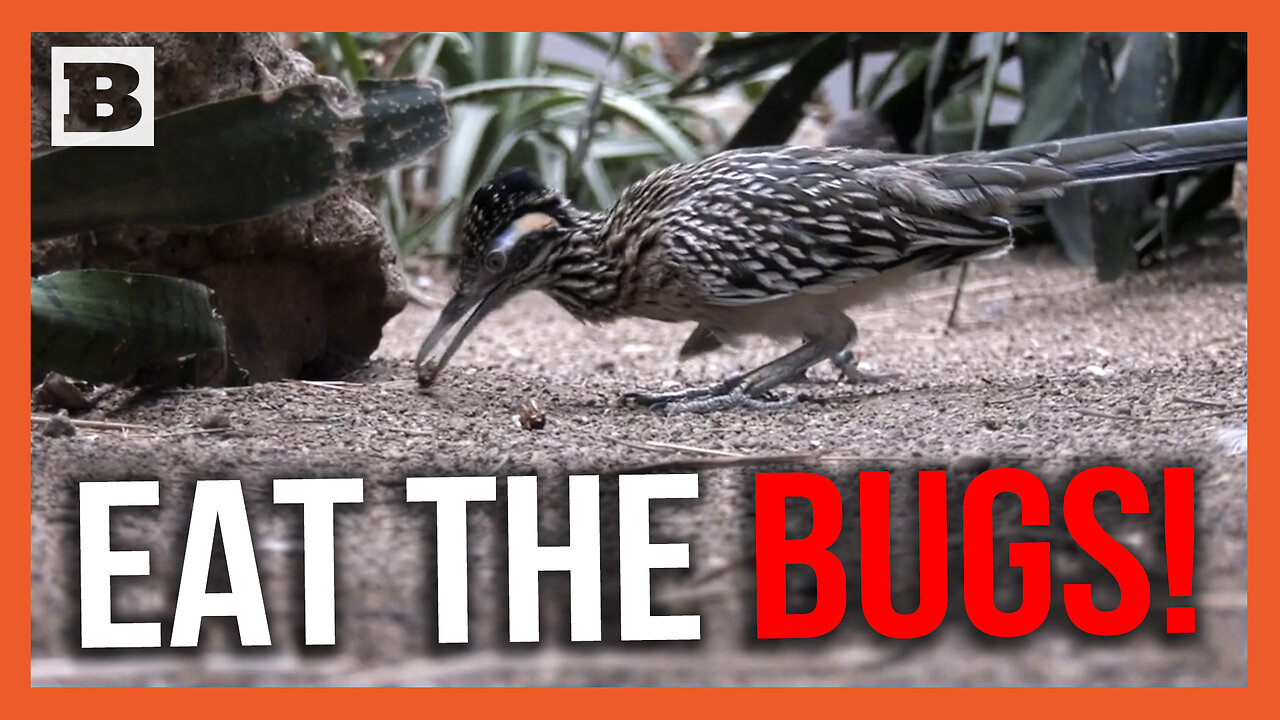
(737, 397)
(724, 395)
(654, 400)
(847, 361)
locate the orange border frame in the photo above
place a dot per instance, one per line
(153, 15)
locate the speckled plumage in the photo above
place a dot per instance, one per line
(781, 241)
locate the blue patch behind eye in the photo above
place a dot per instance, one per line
(508, 238)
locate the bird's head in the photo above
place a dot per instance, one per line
(507, 239)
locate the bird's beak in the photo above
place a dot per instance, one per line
(473, 306)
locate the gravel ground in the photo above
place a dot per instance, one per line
(1047, 370)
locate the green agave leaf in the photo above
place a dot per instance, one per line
(457, 163)
(556, 68)
(413, 239)
(627, 149)
(590, 121)
(1127, 81)
(1051, 64)
(990, 75)
(104, 325)
(878, 83)
(552, 159)
(425, 57)
(593, 174)
(351, 57)
(780, 111)
(237, 159)
(638, 112)
(522, 55)
(1051, 85)
(1212, 67)
(932, 77)
(735, 59)
(636, 63)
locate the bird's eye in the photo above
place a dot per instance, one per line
(495, 261)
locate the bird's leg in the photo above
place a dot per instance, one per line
(743, 389)
(846, 360)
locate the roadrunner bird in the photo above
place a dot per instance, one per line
(777, 241)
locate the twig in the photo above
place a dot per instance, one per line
(327, 384)
(995, 57)
(855, 68)
(656, 445)
(955, 298)
(1160, 418)
(729, 458)
(1012, 399)
(91, 424)
(207, 389)
(677, 463)
(192, 431)
(414, 432)
(1208, 403)
(587, 130)
(691, 448)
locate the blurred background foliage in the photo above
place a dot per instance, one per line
(593, 112)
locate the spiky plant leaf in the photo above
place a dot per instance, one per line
(237, 159)
(782, 108)
(735, 59)
(1127, 81)
(104, 326)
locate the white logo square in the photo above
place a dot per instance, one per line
(123, 80)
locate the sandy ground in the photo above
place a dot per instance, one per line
(1047, 370)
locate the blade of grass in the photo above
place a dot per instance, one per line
(932, 75)
(435, 41)
(456, 162)
(351, 57)
(638, 112)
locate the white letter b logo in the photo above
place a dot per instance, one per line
(108, 91)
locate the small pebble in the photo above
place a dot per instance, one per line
(215, 419)
(1098, 371)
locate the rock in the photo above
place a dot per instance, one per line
(304, 292)
(215, 420)
(59, 425)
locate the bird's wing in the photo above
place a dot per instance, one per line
(775, 223)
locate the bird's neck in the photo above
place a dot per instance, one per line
(584, 273)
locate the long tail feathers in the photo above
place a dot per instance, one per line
(1137, 153)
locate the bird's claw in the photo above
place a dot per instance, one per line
(655, 400)
(705, 400)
